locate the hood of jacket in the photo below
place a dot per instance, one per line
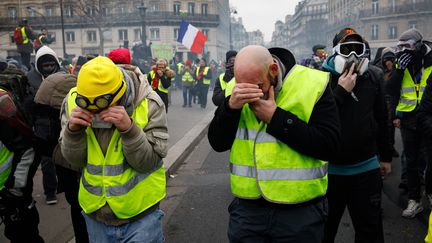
(54, 89)
(141, 87)
(45, 50)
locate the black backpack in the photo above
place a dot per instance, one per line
(15, 82)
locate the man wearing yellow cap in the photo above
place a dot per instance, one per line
(115, 128)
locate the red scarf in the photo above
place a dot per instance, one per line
(155, 80)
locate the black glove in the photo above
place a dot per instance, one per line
(403, 61)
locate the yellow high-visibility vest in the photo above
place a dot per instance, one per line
(160, 86)
(263, 166)
(411, 93)
(109, 179)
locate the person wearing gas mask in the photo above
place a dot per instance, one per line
(115, 128)
(365, 155)
(406, 86)
(224, 78)
(281, 125)
(46, 63)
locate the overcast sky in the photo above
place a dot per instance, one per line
(262, 14)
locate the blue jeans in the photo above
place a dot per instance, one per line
(187, 95)
(146, 229)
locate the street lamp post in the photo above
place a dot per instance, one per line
(232, 11)
(62, 29)
(142, 11)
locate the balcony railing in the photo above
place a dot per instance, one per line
(151, 18)
(423, 6)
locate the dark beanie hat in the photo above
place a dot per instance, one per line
(344, 33)
(230, 54)
(411, 34)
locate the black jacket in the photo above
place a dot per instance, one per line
(424, 112)
(218, 96)
(319, 138)
(394, 84)
(364, 123)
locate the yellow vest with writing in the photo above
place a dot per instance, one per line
(109, 179)
(263, 166)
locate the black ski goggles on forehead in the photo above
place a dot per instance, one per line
(101, 102)
(347, 48)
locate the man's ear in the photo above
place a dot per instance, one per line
(274, 68)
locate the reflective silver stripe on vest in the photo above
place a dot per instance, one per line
(95, 190)
(408, 90)
(7, 164)
(280, 174)
(408, 102)
(123, 189)
(120, 189)
(248, 134)
(412, 89)
(243, 170)
(109, 170)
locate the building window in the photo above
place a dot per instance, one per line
(176, 33)
(153, 6)
(49, 11)
(91, 11)
(137, 34)
(105, 12)
(12, 12)
(375, 6)
(31, 12)
(107, 35)
(191, 8)
(413, 24)
(414, 4)
(155, 34)
(392, 32)
(91, 36)
(204, 9)
(68, 11)
(176, 8)
(374, 32)
(206, 32)
(52, 36)
(121, 9)
(393, 6)
(70, 36)
(123, 35)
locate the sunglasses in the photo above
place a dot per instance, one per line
(347, 48)
(101, 102)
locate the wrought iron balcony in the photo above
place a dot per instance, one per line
(156, 18)
(402, 9)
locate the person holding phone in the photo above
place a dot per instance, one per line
(355, 172)
(123, 177)
(280, 124)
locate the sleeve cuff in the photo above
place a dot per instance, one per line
(340, 92)
(130, 134)
(281, 122)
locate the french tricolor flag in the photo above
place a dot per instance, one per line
(191, 37)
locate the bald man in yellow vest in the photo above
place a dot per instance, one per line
(281, 125)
